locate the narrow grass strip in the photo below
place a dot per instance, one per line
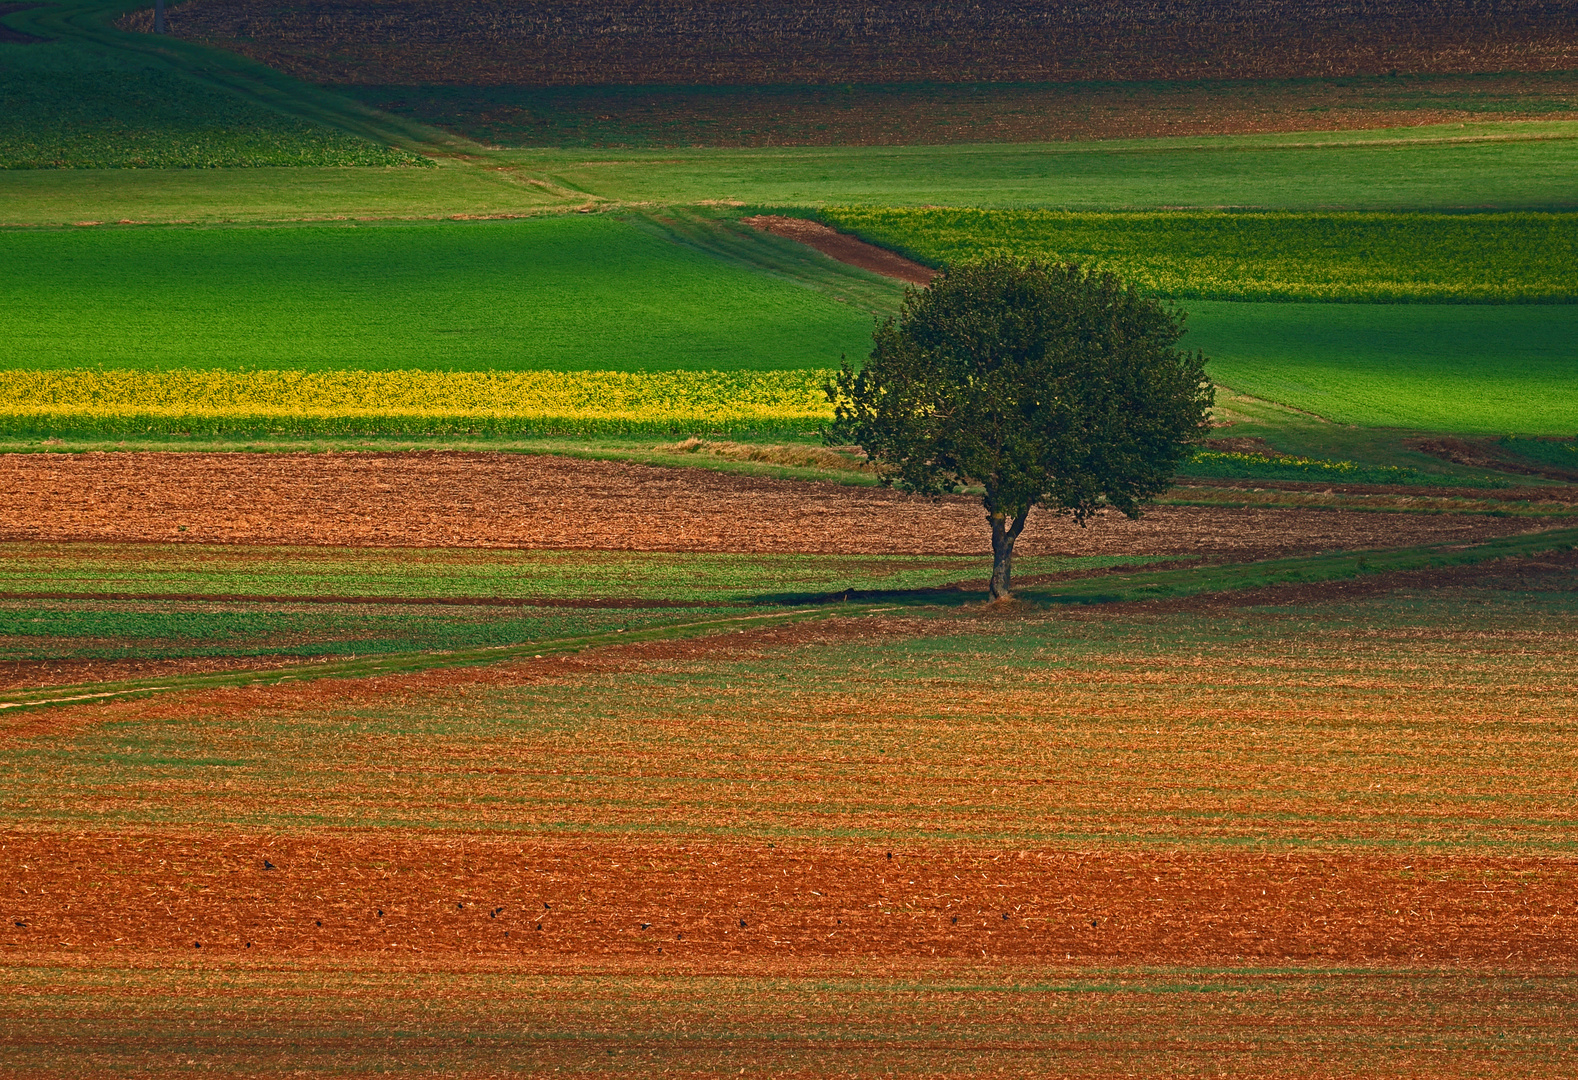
(1299, 570)
(407, 663)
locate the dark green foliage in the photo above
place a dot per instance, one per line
(1042, 383)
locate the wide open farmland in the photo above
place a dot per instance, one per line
(435, 637)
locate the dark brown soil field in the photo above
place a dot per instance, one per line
(936, 113)
(508, 500)
(582, 43)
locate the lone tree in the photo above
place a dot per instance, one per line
(1043, 383)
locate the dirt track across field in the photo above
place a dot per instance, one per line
(843, 247)
(459, 499)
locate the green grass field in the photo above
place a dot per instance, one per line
(699, 297)
(561, 293)
(602, 292)
(1472, 369)
(1517, 166)
(1503, 166)
(55, 114)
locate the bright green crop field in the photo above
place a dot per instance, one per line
(1470, 369)
(56, 114)
(564, 293)
(1505, 166)
(606, 293)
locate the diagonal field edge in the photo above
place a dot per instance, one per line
(402, 663)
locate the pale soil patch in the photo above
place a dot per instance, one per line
(797, 455)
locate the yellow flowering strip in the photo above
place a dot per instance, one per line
(1235, 465)
(84, 401)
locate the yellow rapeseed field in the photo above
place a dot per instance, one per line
(83, 400)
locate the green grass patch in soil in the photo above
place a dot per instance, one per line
(1298, 570)
(63, 630)
(1558, 453)
(107, 628)
(1373, 257)
(1240, 465)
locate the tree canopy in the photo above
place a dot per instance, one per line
(1043, 383)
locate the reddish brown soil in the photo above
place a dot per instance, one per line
(510, 500)
(698, 900)
(846, 249)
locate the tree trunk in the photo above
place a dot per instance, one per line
(1004, 533)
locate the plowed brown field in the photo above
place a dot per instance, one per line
(1321, 831)
(687, 42)
(1332, 847)
(510, 500)
(539, 900)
